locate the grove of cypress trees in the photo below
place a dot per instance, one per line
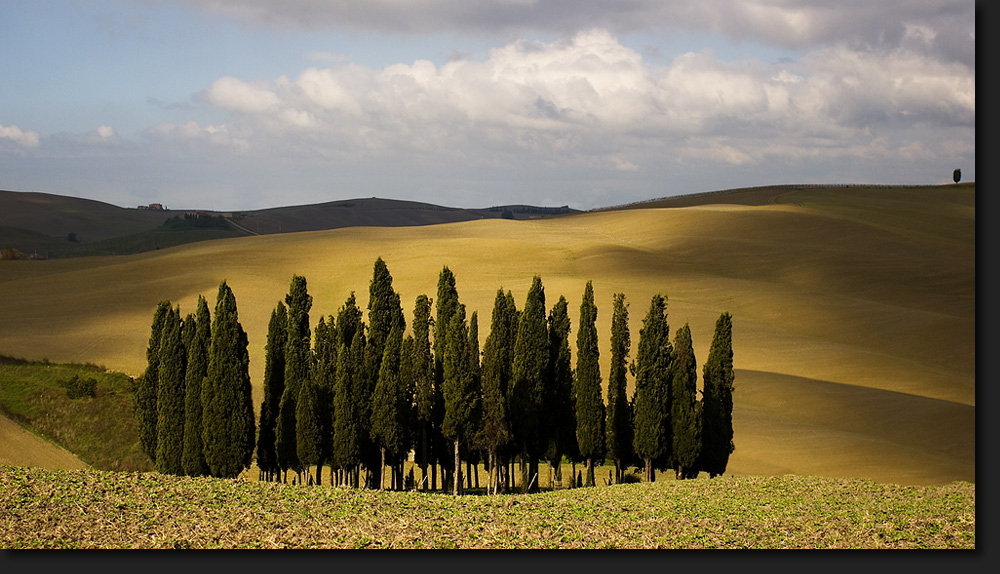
(145, 407)
(619, 425)
(653, 438)
(686, 410)
(422, 366)
(558, 400)
(717, 400)
(497, 364)
(228, 426)
(274, 387)
(170, 397)
(589, 403)
(298, 359)
(458, 390)
(530, 364)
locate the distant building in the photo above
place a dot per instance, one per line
(153, 206)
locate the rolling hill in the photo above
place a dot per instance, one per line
(49, 226)
(853, 307)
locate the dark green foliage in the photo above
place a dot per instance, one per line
(956, 175)
(587, 380)
(228, 427)
(653, 436)
(560, 420)
(717, 400)
(389, 415)
(530, 364)
(421, 371)
(384, 311)
(619, 425)
(170, 397)
(309, 426)
(146, 393)
(197, 333)
(497, 366)
(447, 305)
(298, 364)
(458, 389)
(686, 410)
(274, 387)
(324, 379)
(346, 418)
(78, 387)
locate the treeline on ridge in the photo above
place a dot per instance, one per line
(362, 397)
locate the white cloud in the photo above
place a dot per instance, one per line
(14, 134)
(589, 99)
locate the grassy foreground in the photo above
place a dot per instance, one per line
(99, 509)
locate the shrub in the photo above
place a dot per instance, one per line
(78, 387)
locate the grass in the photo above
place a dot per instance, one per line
(96, 509)
(100, 430)
(841, 299)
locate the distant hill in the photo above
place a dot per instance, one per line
(49, 226)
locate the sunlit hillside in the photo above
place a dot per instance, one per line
(853, 309)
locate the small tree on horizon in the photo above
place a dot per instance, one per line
(956, 175)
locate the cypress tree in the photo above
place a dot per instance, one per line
(558, 400)
(422, 365)
(385, 428)
(384, 314)
(458, 391)
(717, 400)
(298, 359)
(309, 423)
(197, 332)
(686, 411)
(228, 426)
(531, 358)
(496, 373)
(447, 305)
(346, 419)
(587, 380)
(474, 436)
(652, 436)
(170, 397)
(274, 387)
(324, 379)
(619, 425)
(145, 407)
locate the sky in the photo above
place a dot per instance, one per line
(249, 104)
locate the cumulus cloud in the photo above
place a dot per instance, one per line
(587, 98)
(22, 138)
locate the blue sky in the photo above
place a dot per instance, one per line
(245, 104)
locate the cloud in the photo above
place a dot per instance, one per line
(19, 137)
(589, 100)
(785, 23)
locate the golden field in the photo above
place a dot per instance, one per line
(853, 308)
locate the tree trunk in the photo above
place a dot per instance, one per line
(381, 471)
(319, 474)
(590, 473)
(457, 479)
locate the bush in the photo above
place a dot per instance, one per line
(78, 387)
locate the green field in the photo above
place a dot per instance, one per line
(93, 509)
(853, 308)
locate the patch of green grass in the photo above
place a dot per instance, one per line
(100, 430)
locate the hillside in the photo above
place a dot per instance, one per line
(48, 226)
(853, 308)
